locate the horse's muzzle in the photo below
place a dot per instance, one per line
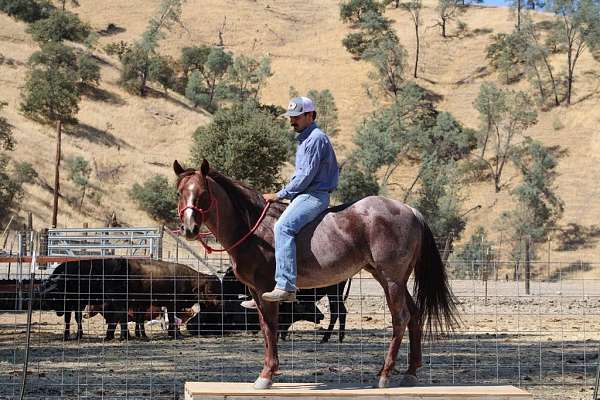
(191, 233)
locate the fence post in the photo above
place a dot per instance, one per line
(22, 237)
(527, 263)
(43, 246)
(159, 251)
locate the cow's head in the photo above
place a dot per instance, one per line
(49, 295)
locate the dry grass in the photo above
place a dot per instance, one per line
(304, 42)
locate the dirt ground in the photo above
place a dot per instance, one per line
(546, 342)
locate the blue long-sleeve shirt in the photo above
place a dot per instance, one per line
(316, 165)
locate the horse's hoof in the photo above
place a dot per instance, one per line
(383, 382)
(263, 383)
(408, 380)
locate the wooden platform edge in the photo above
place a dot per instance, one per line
(229, 390)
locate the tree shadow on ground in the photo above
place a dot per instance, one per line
(480, 72)
(482, 31)
(574, 236)
(157, 94)
(95, 135)
(111, 29)
(98, 94)
(430, 94)
(568, 271)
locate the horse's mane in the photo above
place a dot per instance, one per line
(246, 200)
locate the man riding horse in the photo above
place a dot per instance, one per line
(316, 176)
(265, 240)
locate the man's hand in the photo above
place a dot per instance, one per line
(270, 197)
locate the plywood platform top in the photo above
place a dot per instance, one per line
(198, 390)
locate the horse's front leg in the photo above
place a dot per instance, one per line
(268, 316)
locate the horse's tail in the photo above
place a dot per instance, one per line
(434, 298)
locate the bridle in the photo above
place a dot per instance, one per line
(213, 203)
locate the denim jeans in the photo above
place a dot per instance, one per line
(302, 210)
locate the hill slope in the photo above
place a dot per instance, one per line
(137, 137)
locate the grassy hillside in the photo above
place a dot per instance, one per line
(137, 137)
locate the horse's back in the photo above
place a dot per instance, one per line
(348, 238)
(379, 206)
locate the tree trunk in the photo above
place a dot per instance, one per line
(553, 81)
(56, 174)
(417, 52)
(497, 182)
(447, 248)
(519, 5)
(569, 73)
(540, 84)
(82, 198)
(144, 78)
(444, 27)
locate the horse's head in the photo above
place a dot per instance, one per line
(195, 198)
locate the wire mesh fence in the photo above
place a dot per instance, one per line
(546, 340)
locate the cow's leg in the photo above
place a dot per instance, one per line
(142, 329)
(139, 318)
(110, 317)
(67, 331)
(123, 317)
(285, 319)
(124, 329)
(173, 329)
(268, 317)
(111, 325)
(334, 311)
(78, 315)
(343, 312)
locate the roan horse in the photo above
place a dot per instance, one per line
(387, 238)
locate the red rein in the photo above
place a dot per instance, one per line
(214, 203)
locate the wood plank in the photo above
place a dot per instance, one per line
(235, 390)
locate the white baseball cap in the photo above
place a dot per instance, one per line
(299, 105)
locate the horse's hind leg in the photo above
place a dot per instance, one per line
(396, 299)
(415, 329)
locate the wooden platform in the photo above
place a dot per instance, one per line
(245, 391)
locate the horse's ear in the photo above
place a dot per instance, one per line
(204, 168)
(177, 168)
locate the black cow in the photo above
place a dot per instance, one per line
(229, 316)
(75, 284)
(337, 308)
(118, 285)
